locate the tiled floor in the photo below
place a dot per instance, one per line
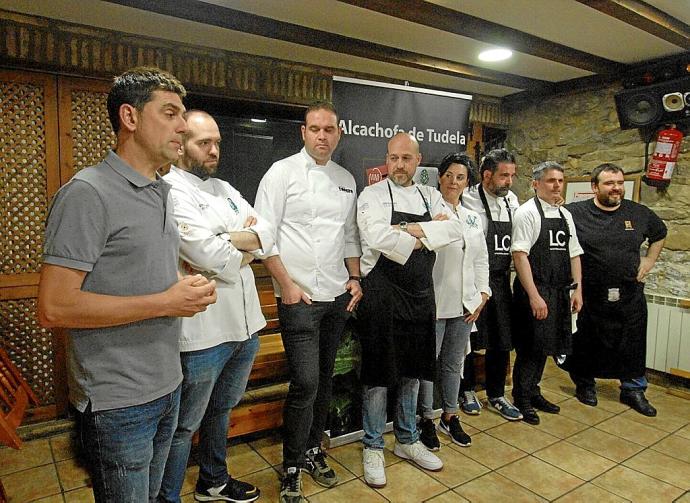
(607, 453)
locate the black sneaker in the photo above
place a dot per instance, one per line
(427, 434)
(638, 402)
(542, 404)
(318, 468)
(291, 486)
(234, 490)
(453, 429)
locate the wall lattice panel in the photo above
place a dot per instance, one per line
(29, 346)
(29, 176)
(92, 134)
(24, 198)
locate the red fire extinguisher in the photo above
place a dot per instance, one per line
(664, 158)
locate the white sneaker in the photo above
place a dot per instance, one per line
(374, 471)
(419, 455)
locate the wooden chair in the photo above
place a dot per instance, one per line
(15, 395)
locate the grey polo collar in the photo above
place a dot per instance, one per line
(126, 171)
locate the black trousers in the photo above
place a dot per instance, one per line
(527, 372)
(311, 334)
(495, 366)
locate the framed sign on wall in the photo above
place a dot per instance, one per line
(579, 188)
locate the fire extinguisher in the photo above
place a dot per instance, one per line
(664, 158)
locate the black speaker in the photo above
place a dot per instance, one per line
(654, 104)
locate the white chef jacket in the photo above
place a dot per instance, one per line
(497, 205)
(461, 271)
(204, 210)
(527, 227)
(313, 209)
(377, 234)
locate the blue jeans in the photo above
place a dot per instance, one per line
(311, 334)
(634, 384)
(127, 448)
(374, 405)
(214, 381)
(452, 335)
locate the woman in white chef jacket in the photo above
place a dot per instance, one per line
(461, 287)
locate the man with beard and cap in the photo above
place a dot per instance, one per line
(496, 205)
(546, 253)
(610, 341)
(218, 229)
(400, 225)
(311, 202)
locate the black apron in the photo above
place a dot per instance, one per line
(611, 337)
(549, 259)
(493, 324)
(397, 314)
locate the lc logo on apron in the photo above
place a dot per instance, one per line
(557, 240)
(501, 247)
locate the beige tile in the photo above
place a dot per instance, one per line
(31, 484)
(589, 492)
(636, 486)
(82, 495)
(584, 413)
(631, 430)
(350, 456)
(665, 422)
(270, 448)
(406, 483)
(554, 396)
(521, 435)
(662, 467)
(559, 425)
(72, 475)
(268, 483)
(684, 432)
(683, 499)
(457, 468)
(353, 490)
(242, 459)
(32, 454)
(447, 497)
(560, 384)
(494, 488)
(63, 446)
(55, 498)
(191, 475)
(612, 404)
(674, 446)
(490, 451)
(540, 477)
(673, 405)
(575, 460)
(487, 419)
(311, 487)
(605, 444)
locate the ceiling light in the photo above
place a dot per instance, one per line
(495, 54)
(260, 121)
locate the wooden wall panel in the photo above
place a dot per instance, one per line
(28, 180)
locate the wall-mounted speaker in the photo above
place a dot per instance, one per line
(654, 104)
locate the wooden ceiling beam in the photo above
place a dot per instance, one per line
(452, 21)
(232, 19)
(645, 17)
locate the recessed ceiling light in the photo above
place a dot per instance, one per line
(495, 54)
(260, 121)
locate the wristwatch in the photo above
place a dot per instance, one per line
(403, 226)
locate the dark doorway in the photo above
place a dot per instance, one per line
(249, 147)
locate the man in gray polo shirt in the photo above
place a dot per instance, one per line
(110, 276)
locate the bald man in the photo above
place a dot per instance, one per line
(400, 224)
(220, 234)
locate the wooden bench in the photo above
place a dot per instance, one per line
(261, 407)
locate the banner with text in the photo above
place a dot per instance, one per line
(371, 113)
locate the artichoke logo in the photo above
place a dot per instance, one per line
(424, 177)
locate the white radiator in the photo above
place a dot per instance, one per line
(668, 334)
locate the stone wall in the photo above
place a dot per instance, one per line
(580, 130)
